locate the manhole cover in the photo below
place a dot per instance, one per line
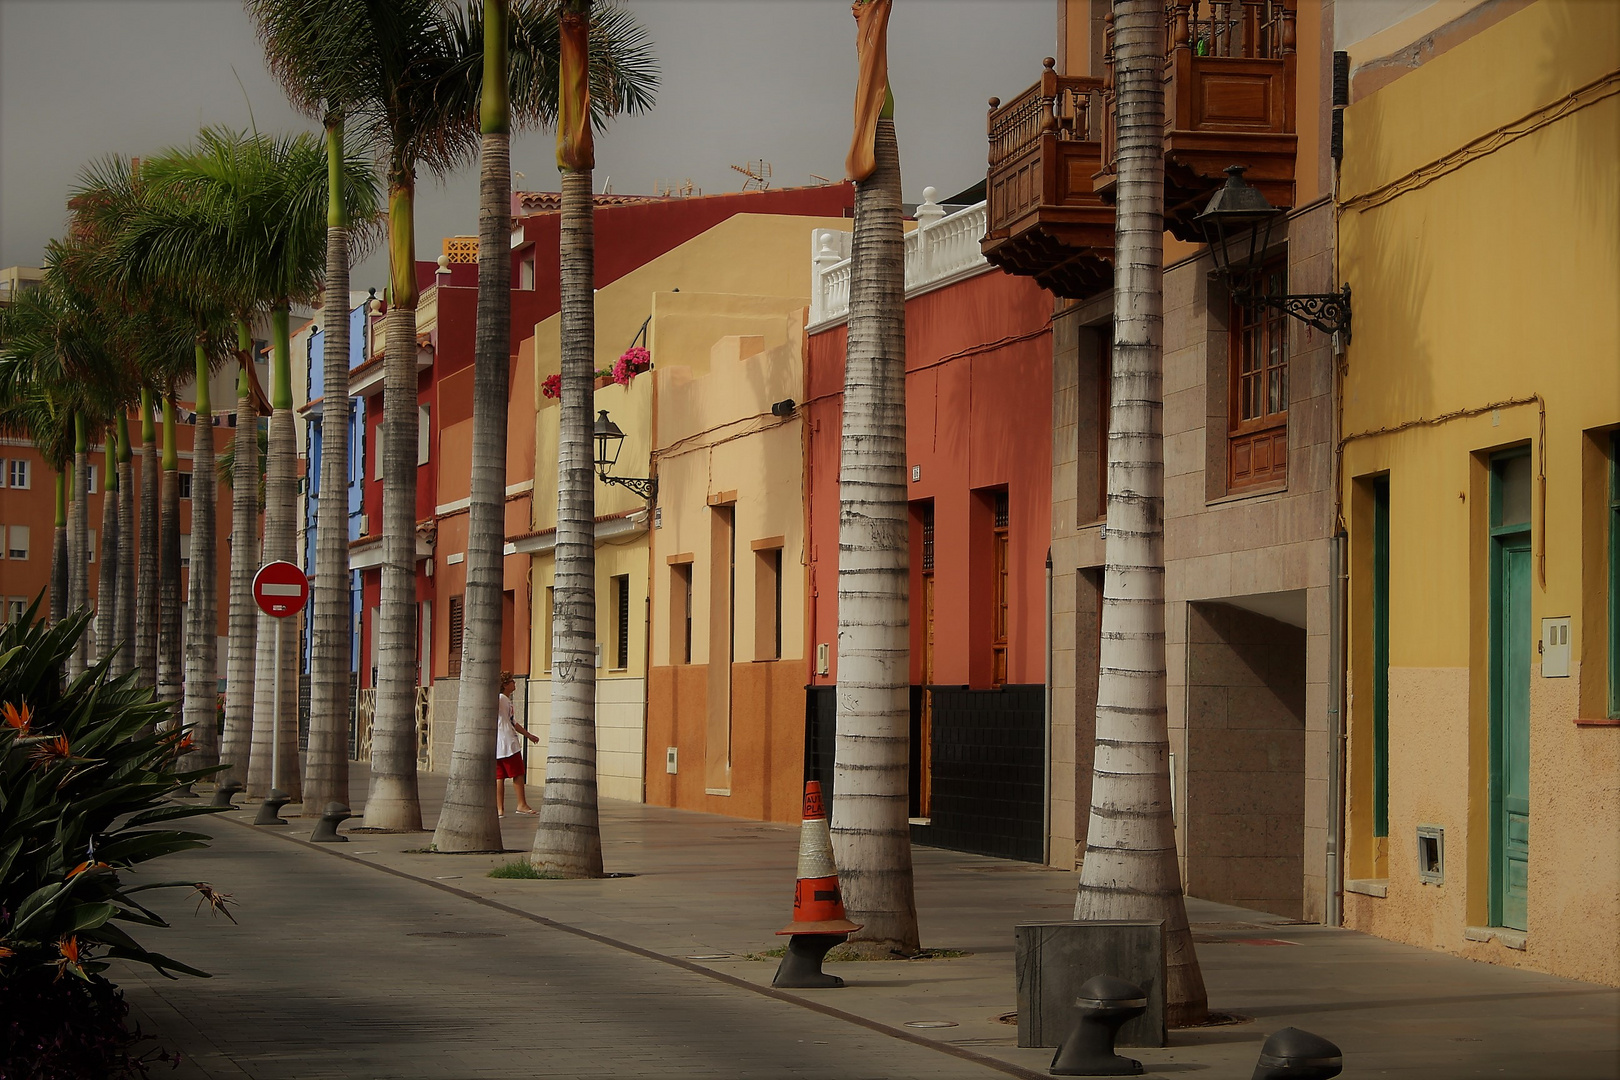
(931, 1023)
(452, 934)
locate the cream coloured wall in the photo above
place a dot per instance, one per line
(1478, 230)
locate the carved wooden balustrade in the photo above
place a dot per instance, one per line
(1229, 83)
(1044, 220)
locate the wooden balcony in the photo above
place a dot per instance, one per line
(1043, 218)
(1229, 87)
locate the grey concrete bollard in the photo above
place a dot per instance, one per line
(326, 828)
(270, 809)
(1105, 1003)
(801, 964)
(224, 793)
(1293, 1054)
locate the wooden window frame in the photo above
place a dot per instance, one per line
(621, 626)
(1258, 423)
(1000, 515)
(455, 628)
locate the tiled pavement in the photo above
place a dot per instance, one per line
(374, 959)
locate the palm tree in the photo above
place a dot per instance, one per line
(107, 643)
(124, 598)
(237, 739)
(409, 75)
(146, 571)
(1130, 869)
(871, 835)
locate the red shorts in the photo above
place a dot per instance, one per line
(509, 768)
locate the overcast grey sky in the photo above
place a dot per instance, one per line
(741, 80)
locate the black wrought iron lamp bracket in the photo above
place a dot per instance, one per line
(645, 486)
(1328, 312)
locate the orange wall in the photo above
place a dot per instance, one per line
(978, 416)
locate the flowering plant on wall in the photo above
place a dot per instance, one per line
(552, 386)
(634, 361)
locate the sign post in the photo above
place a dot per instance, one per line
(281, 590)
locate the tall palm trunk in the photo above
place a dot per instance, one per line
(59, 551)
(393, 801)
(871, 834)
(280, 542)
(124, 595)
(79, 537)
(107, 573)
(326, 768)
(146, 591)
(171, 641)
(569, 839)
(236, 745)
(467, 821)
(201, 703)
(1130, 869)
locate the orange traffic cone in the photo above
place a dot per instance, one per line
(819, 922)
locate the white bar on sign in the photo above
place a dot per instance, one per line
(282, 590)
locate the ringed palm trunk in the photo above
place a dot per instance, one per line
(326, 768)
(242, 634)
(79, 538)
(146, 590)
(393, 801)
(569, 839)
(1130, 869)
(871, 833)
(280, 542)
(124, 598)
(59, 551)
(171, 641)
(201, 704)
(107, 574)
(468, 819)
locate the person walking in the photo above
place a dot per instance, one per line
(509, 751)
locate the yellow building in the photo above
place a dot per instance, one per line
(1479, 227)
(747, 265)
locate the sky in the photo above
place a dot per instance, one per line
(741, 80)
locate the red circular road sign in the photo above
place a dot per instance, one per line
(280, 589)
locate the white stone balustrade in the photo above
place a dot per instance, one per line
(942, 249)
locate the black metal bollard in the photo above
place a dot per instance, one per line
(224, 793)
(270, 809)
(1292, 1054)
(801, 964)
(1106, 1003)
(326, 828)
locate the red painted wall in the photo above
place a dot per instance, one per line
(978, 417)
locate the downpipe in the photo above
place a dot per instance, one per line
(1336, 739)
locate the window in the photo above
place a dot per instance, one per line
(424, 432)
(185, 548)
(376, 444)
(768, 603)
(16, 608)
(91, 488)
(621, 622)
(1257, 385)
(184, 480)
(1614, 576)
(998, 547)
(5, 472)
(550, 616)
(16, 539)
(90, 547)
(457, 624)
(19, 477)
(526, 273)
(680, 613)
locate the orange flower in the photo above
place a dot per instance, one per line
(184, 746)
(16, 716)
(83, 867)
(52, 749)
(69, 947)
(5, 953)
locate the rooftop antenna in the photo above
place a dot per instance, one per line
(817, 176)
(674, 189)
(758, 173)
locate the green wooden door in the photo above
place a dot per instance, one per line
(1511, 776)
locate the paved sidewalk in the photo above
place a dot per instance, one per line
(377, 959)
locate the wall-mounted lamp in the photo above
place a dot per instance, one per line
(609, 440)
(1237, 224)
(784, 407)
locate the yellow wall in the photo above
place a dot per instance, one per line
(1480, 233)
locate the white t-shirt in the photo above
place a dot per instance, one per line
(507, 739)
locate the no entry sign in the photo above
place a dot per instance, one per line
(280, 589)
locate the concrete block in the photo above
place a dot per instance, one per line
(1052, 960)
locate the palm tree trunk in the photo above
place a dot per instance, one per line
(871, 834)
(124, 599)
(1130, 869)
(237, 744)
(59, 551)
(468, 822)
(280, 542)
(107, 576)
(146, 591)
(326, 768)
(393, 801)
(200, 711)
(79, 538)
(171, 641)
(569, 839)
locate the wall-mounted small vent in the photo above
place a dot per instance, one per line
(823, 658)
(1431, 848)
